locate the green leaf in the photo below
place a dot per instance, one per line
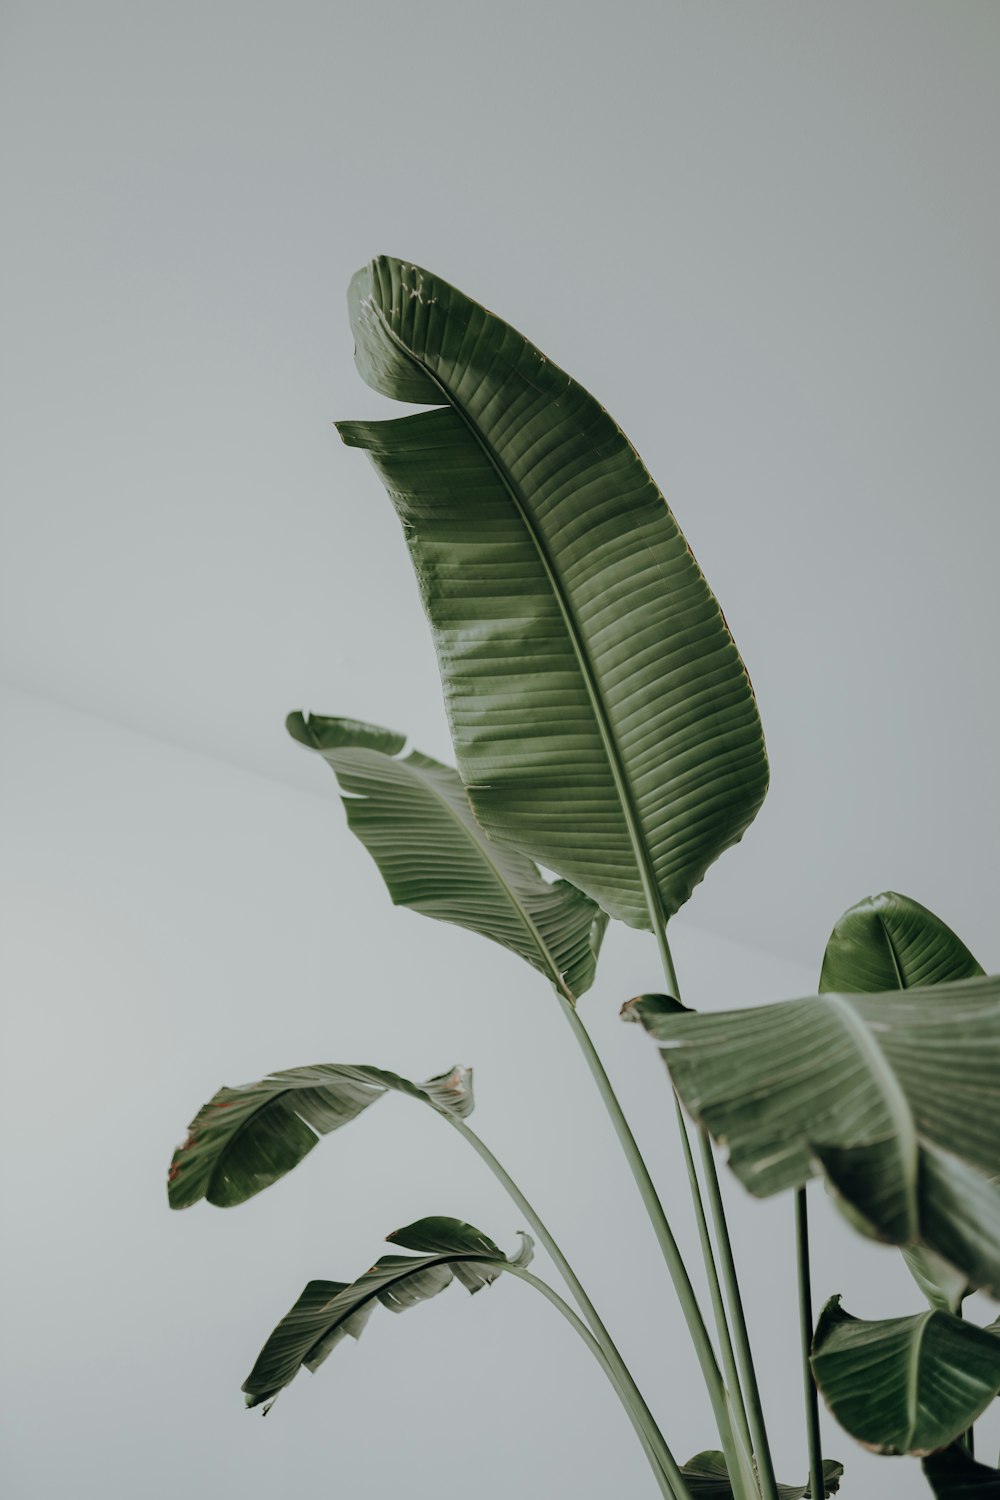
(246, 1138)
(894, 1097)
(603, 721)
(904, 1385)
(413, 817)
(889, 942)
(329, 1311)
(954, 1475)
(708, 1478)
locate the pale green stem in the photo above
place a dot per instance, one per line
(665, 1238)
(618, 1366)
(816, 1486)
(669, 1477)
(755, 1411)
(748, 1387)
(719, 1311)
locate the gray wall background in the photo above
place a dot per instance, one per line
(766, 236)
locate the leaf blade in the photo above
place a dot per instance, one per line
(603, 720)
(413, 816)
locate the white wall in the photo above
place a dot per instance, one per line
(173, 923)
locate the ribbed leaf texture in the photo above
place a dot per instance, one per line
(413, 816)
(603, 721)
(905, 1385)
(889, 942)
(246, 1138)
(894, 1097)
(707, 1478)
(329, 1311)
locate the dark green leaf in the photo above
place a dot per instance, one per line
(889, 942)
(246, 1138)
(953, 1475)
(904, 1385)
(603, 720)
(327, 1311)
(708, 1479)
(413, 817)
(895, 1097)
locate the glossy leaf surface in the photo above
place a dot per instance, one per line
(894, 1097)
(708, 1478)
(329, 1311)
(244, 1139)
(413, 816)
(888, 942)
(603, 721)
(905, 1385)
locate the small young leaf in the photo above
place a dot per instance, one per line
(244, 1139)
(329, 1311)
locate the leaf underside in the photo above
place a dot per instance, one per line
(905, 1385)
(893, 1097)
(413, 816)
(603, 721)
(327, 1312)
(244, 1139)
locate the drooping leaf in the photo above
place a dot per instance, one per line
(246, 1138)
(603, 721)
(904, 1385)
(889, 942)
(328, 1311)
(413, 816)
(708, 1478)
(894, 1097)
(955, 1475)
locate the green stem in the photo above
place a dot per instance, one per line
(746, 1379)
(671, 1481)
(817, 1487)
(664, 1235)
(607, 1344)
(755, 1411)
(742, 1429)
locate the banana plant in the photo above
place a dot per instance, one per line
(606, 730)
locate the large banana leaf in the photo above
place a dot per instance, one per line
(905, 1385)
(955, 1475)
(413, 816)
(894, 1097)
(707, 1478)
(246, 1138)
(603, 720)
(889, 942)
(329, 1311)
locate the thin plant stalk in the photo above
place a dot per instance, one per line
(545, 1237)
(665, 1238)
(671, 1481)
(816, 1485)
(719, 1311)
(745, 1387)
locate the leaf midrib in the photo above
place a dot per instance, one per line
(893, 1093)
(482, 849)
(615, 762)
(913, 1379)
